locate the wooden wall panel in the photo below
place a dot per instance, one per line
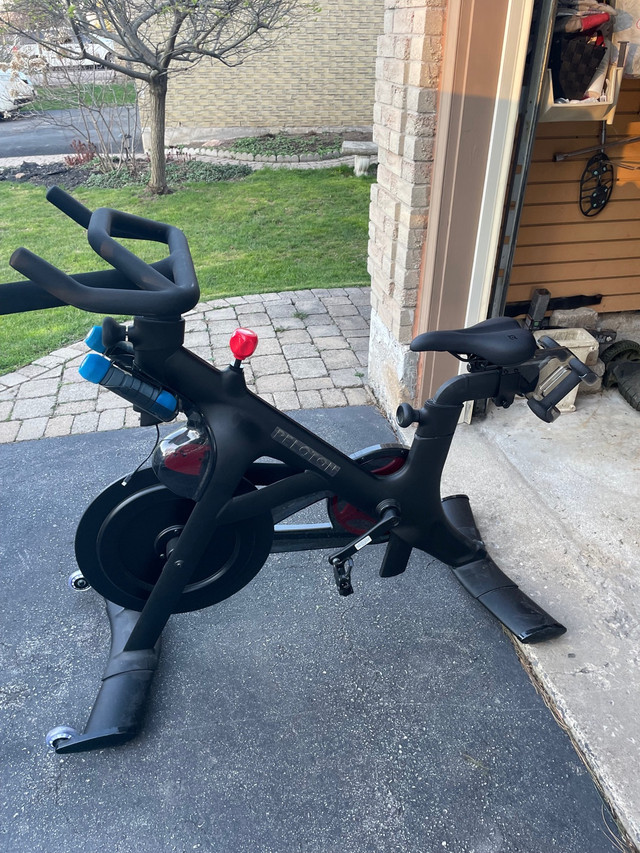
(559, 248)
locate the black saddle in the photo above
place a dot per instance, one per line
(501, 341)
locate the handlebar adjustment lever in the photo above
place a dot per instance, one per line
(243, 343)
(166, 289)
(111, 339)
(406, 415)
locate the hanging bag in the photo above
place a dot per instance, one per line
(574, 64)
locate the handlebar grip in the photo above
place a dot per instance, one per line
(32, 266)
(107, 223)
(69, 205)
(103, 291)
(167, 288)
(16, 297)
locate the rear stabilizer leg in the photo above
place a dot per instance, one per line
(494, 589)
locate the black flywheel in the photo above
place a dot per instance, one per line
(125, 535)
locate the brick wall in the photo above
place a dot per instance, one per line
(407, 77)
(321, 74)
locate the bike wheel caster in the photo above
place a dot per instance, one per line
(59, 735)
(78, 582)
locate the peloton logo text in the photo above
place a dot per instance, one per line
(305, 451)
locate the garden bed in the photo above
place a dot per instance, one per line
(279, 147)
(71, 177)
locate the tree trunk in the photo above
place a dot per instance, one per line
(157, 157)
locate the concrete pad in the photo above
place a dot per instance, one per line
(286, 718)
(558, 507)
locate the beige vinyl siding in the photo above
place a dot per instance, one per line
(564, 251)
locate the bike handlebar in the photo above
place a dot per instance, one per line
(69, 205)
(164, 289)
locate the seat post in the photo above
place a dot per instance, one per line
(468, 386)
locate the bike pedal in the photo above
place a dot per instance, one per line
(342, 576)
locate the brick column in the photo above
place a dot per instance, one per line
(407, 75)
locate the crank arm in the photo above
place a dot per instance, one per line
(341, 561)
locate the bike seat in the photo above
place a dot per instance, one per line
(501, 341)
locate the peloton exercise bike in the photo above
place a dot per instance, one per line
(197, 526)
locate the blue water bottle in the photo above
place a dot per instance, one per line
(156, 401)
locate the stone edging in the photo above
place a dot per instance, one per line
(243, 157)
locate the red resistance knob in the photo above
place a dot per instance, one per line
(243, 343)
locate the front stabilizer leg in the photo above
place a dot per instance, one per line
(118, 711)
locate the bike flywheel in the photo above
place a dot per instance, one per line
(126, 534)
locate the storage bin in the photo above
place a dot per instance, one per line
(601, 111)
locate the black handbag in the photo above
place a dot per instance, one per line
(575, 61)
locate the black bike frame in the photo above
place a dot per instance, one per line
(244, 428)
(289, 465)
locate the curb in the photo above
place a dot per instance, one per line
(244, 157)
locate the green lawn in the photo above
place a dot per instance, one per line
(89, 94)
(275, 230)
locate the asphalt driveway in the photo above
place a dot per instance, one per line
(285, 719)
(54, 131)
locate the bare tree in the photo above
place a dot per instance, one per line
(149, 40)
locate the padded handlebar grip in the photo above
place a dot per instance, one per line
(130, 265)
(16, 297)
(69, 205)
(37, 269)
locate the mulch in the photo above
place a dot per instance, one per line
(47, 174)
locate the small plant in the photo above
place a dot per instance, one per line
(300, 315)
(85, 152)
